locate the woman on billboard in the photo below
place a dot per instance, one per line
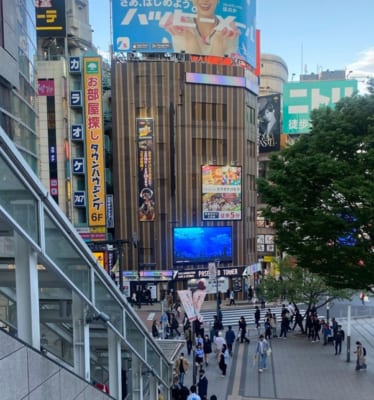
(204, 32)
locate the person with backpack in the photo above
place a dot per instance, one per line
(360, 353)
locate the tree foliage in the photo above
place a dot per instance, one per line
(320, 194)
(370, 85)
(299, 285)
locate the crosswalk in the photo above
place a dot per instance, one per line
(231, 317)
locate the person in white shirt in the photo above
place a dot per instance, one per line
(219, 341)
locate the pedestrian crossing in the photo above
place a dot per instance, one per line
(231, 317)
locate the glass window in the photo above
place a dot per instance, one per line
(153, 358)
(134, 336)
(107, 303)
(66, 256)
(18, 201)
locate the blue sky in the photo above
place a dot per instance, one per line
(310, 35)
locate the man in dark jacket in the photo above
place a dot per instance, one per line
(230, 339)
(202, 385)
(339, 340)
(257, 317)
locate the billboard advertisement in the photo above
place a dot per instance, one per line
(225, 28)
(94, 141)
(144, 134)
(221, 192)
(300, 98)
(50, 18)
(269, 122)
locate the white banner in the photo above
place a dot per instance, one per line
(192, 302)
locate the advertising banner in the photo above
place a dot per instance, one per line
(269, 123)
(221, 192)
(300, 98)
(94, 141)
(224, 28)
(192, 302)
(144, 134)
(50, 18)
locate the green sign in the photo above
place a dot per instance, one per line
(300, 98)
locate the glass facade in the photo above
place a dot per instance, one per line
(17, 99)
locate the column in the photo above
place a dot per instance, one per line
(27, 293)
(114, 354)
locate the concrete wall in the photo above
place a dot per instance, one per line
(28, 375)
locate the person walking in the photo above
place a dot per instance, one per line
(223, 359)
(261, 352)
(257, 317)
(155, 330)
(207, 346)
(181, 367)
(360, 353)
(174, 325)
(284, 326)
(298, 321)
(243, 330)
(199, 355)
(339, 338)
(202, 385)
(232, 298)
(230, 339)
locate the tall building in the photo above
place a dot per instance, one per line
(274, 75)
(18, 77)
(184, 157)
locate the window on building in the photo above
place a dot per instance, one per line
(209, 112)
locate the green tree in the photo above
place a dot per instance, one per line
(299, 285)
(320, 194)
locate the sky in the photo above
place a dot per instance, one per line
(309, 35)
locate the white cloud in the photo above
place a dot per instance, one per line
(364, 66)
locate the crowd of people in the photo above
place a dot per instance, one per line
(219, 342)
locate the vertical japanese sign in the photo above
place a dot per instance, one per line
(144, 134)
(221, 192)
(94, 141)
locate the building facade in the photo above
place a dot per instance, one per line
(194, 118)
(18, 77)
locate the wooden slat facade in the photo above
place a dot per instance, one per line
(194, 124)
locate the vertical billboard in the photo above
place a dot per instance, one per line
(269, 122)
(300, 98)
(144, 134)
(223, 28)
(95, 167)
(221, 192)
(50, 18)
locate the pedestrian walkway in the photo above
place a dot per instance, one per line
(297, 368)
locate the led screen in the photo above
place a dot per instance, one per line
(201, 245)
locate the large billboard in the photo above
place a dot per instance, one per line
(269, 123)
(94, 141)
(221, 192)
(300, 98)
(225, 28)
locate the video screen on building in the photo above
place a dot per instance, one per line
(201, 245)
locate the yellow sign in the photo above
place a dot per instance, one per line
(94, 141)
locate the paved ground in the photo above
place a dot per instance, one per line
(297, 369)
